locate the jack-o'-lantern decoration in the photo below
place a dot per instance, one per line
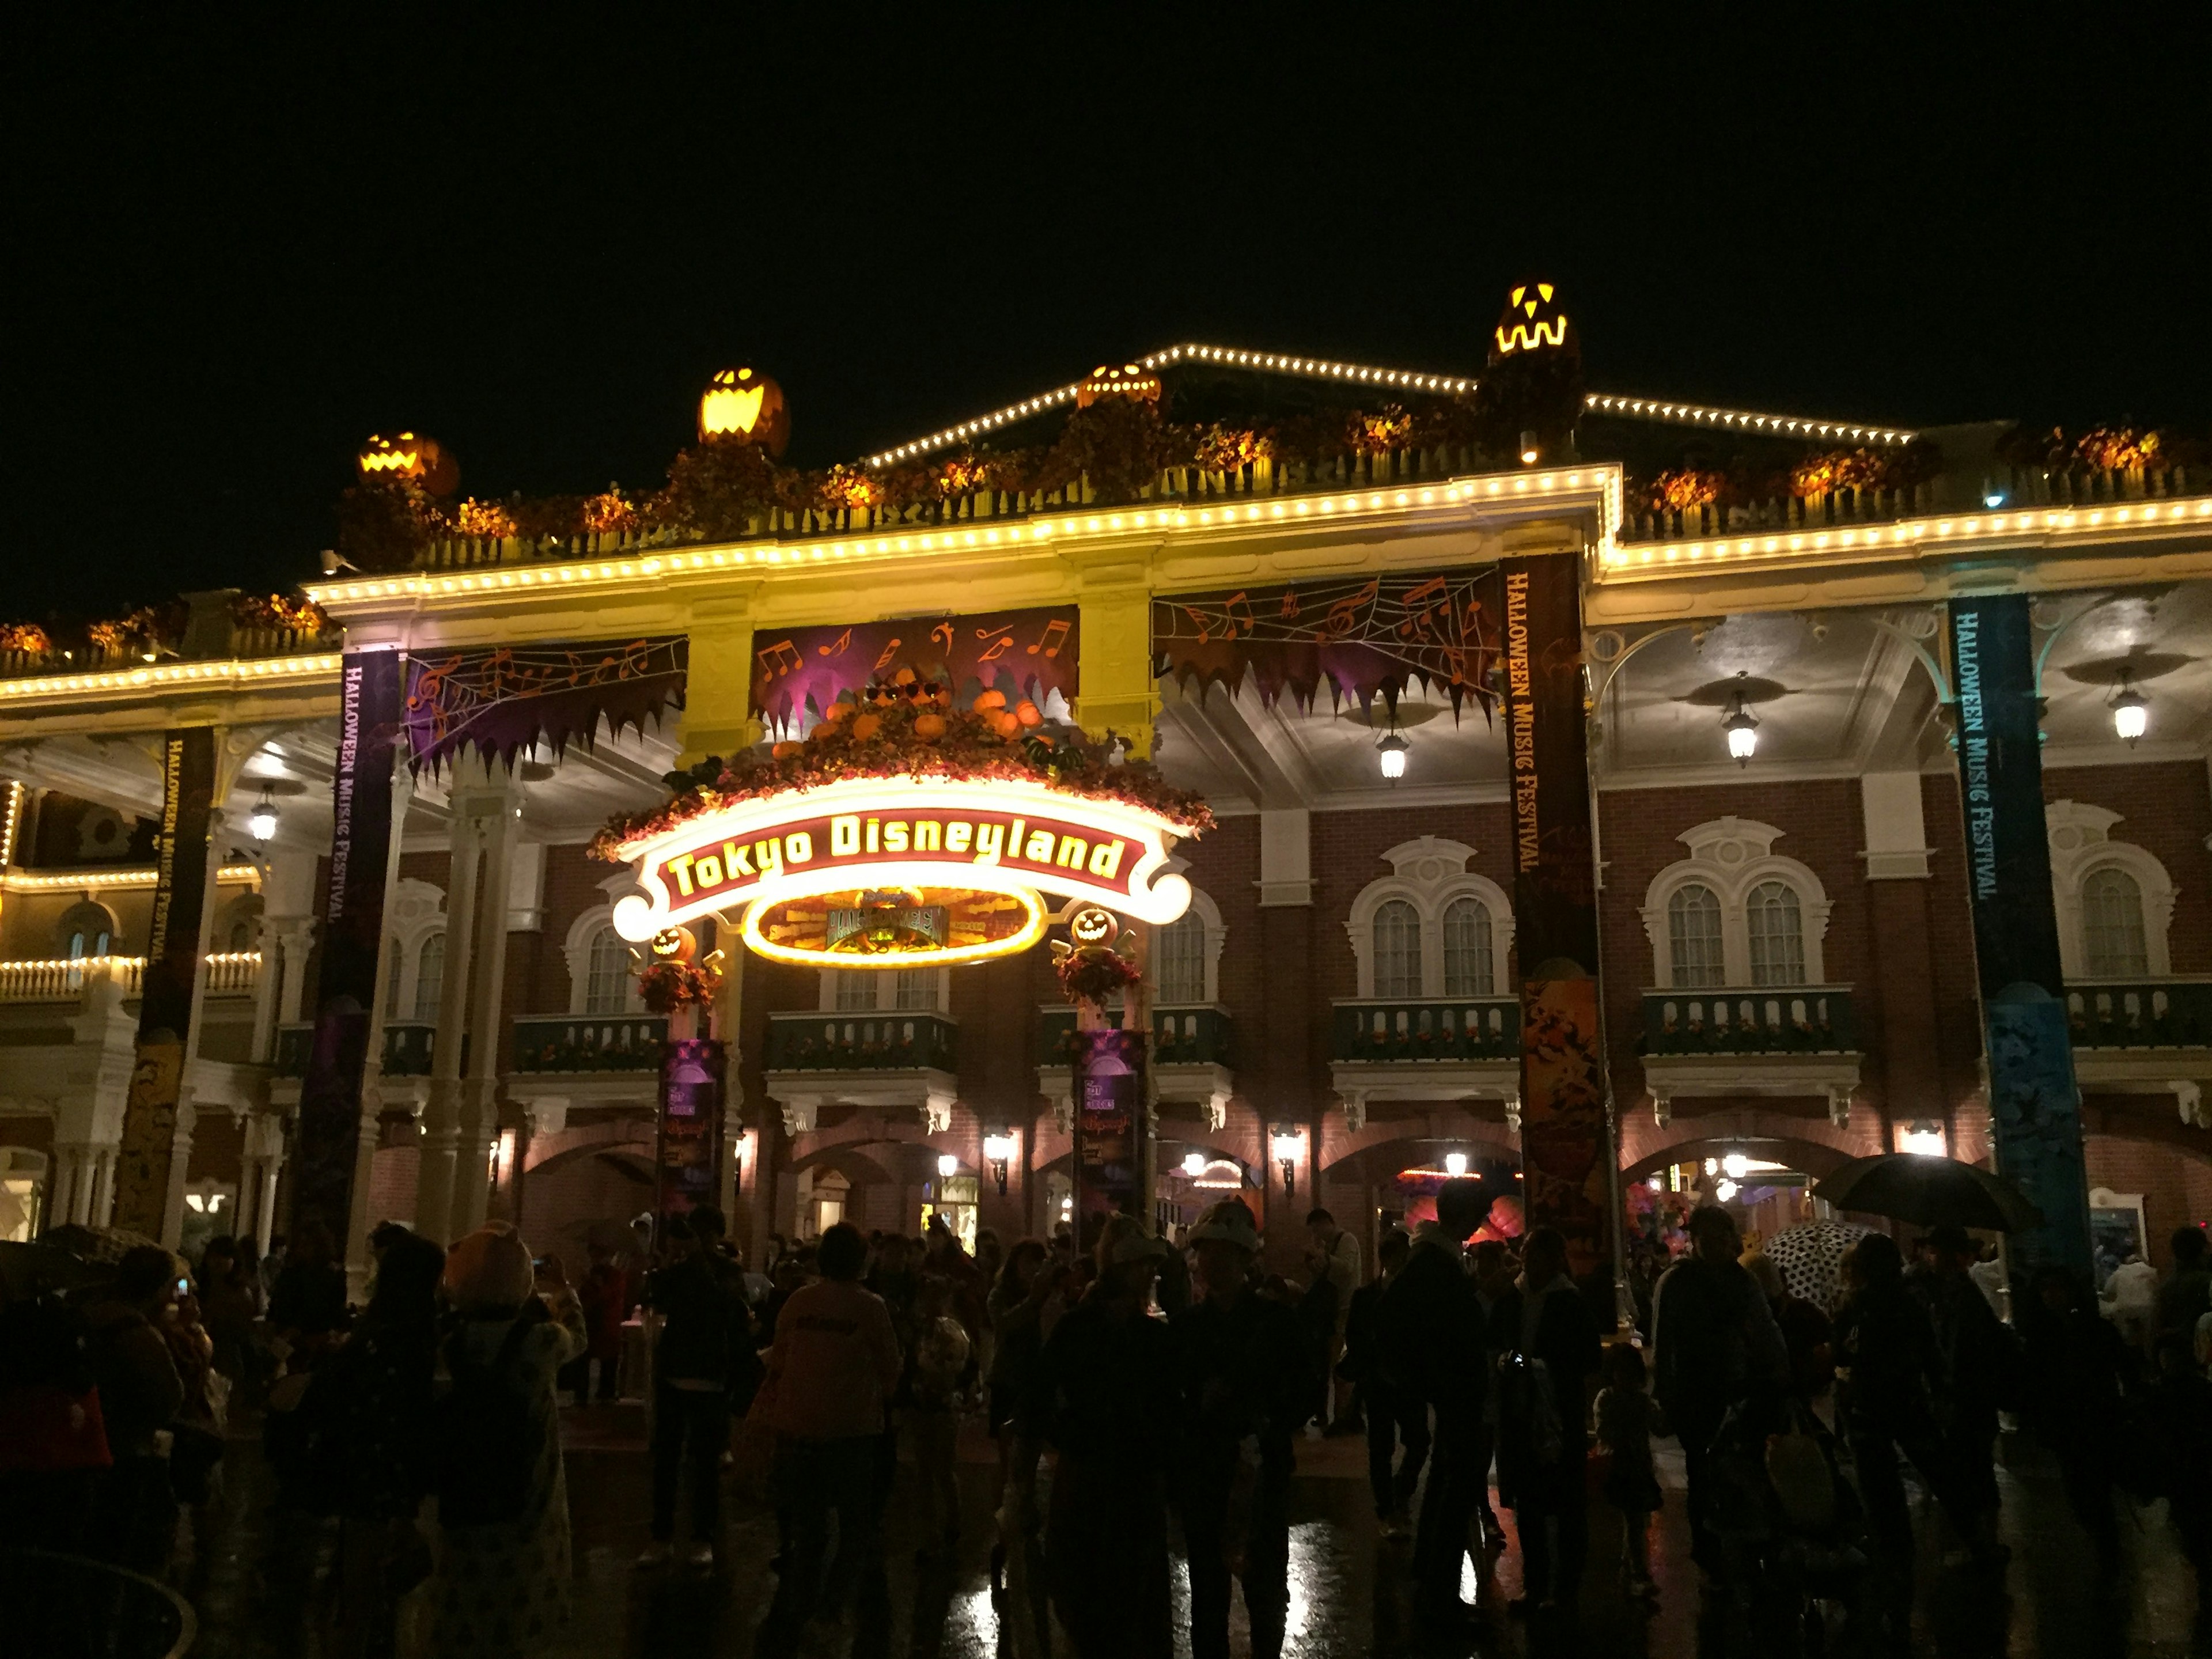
(1129, 380)
(674, 945)
(747, 407)
(1093, 925)
(1532, 321)
(414, 460)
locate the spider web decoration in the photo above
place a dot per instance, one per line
(1364, 639)
(500, 700)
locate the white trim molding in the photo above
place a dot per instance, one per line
(415, 912)
(2081, 846)
(1431, 873)
(576, 952)
(1733, 856)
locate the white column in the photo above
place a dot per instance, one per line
(372, 1078)
(441, 1118)
(295, 937)
(102, 1208)
(63, 1184)
(181, 1143)
(498, 812)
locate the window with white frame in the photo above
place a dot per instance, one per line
(1468, 969)
(607, 979)
(1397, 929)
(429, 978)
(1775, 922)
(1432, 927)
(876, 990)
(2114, 943)
(1179, 960)
(915, 989)
(86, 930)
(1695, 956)
(1735, 913)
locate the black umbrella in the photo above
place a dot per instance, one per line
(1929, 1191)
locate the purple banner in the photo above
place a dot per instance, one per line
(1109, 1116)
(688, 1144)
(1362, 638)
(351, 915)
(1031, 653)
(499, 700)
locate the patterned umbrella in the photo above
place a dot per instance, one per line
(1811, 1258)
(94, 1243)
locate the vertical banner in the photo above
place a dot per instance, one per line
(2035, 1107)
(687, 1149)
(1109, 1116)
(1566, 1140)
(352, 916)
(174, 949)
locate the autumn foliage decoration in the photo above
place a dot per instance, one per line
(908, 727)
(1092, 973)
(664, 986)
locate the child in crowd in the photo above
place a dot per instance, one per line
(1627, 1418)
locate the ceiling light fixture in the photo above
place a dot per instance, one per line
(1741, 726)
(2130, 711)
(261, 822)
(1454, 1164)
(1194, 1164)
(1391, 752)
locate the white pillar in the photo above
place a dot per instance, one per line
(63, 1184)
(498, 812)
(441, 1118)
(103, 1186)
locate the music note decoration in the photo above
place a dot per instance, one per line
(500, 700)
(1364, 638)
(1025, 654)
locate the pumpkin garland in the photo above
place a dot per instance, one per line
(909, 726)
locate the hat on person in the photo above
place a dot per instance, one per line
(490, 1268)
(1228, 1223)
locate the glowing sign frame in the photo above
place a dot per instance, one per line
(863, 832)
(1031, 930)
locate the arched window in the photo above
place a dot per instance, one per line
(1776, 927)
(429, 978)
(1397, 949)
(1179, 960)
(1469, 970)
(1693, 938)
(606, 974)
(86, 930)
(2113, 943)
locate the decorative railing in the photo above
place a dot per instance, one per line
(859, 1042)
(1426, 1028)
(409, 1048)
(2140, 1013)
(1183, 1034)
(588, 1042)
(1810, 1020)
(64, 979)
(2007, 487)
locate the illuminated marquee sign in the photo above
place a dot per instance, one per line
(902, 869)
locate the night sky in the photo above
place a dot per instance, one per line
(237, 247)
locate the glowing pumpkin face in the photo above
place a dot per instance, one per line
(1531, 320)
(1130, 380)
(674, 945)
(748, 407)
(1091, 926)
(418, 460)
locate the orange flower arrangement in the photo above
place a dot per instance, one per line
(486, 519)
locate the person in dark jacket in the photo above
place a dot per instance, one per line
(1886, 1365)
(701, 1298)
(140, 1392)
(2078, 1367)
(1978, 1368)
(1715, 1341)
(307, 1304)
(1245, 1372)
(1543, 1431)
(1390, 1423)
(1431, 1351)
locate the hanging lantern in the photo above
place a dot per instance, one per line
(2130, 712)
(414, 459)
(1129, 380)
(746, 407)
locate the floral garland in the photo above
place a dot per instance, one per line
(487, 519)
(909, 726)
(1684, 488)
(27, 637)
(1092, 973)
(141, 632)
(278, 612)
(664, 986)
(611, 512)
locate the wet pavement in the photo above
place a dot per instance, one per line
(260, 1584)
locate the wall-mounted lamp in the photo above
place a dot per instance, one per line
(1194, 1164)
(1454, 1164)
(1529, 452)
(999, 1153)
(1923, 1136)
(1286, 1156)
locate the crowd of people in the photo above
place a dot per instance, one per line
(1167, 1386)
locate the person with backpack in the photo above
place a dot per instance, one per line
(1543, 1442)
(502, 1585)
(706, 1329)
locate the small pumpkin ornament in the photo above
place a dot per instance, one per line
(1028, 712)
(837, 714)
(988, 700)
(414, 460)
(745, 406)
(1005, 722)
(1091, 925)
(929, 727)
(867, 726)
(786, 751)
(677, 945)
